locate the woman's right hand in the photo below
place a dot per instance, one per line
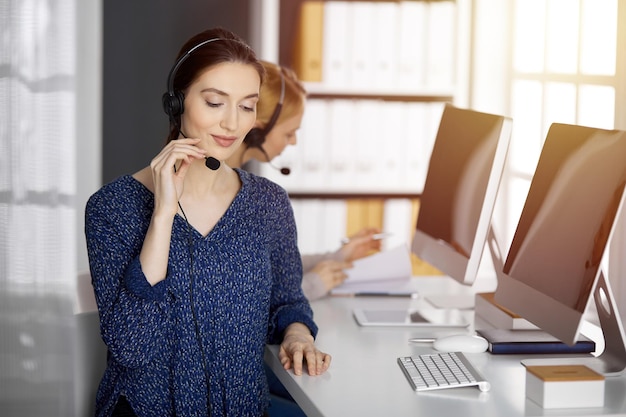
(169, 182)
(361, 244)
(332, 273)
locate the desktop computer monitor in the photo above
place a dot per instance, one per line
(459, 195)
(553, 267)
(454, 219)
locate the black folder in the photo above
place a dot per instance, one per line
(503, 341)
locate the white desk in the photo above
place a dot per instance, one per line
(365, 380)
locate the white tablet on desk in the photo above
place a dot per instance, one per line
(423, 317)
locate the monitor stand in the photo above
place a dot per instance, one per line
(612, 360)
(467, 301)
(494, 249)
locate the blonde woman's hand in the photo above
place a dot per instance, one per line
(361, 244)
(332, 273)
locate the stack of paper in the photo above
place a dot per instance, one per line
(387, 272)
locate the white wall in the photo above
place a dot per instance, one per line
(90, 351)
(88, 114)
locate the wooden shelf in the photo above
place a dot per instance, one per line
(409, 98)
(304, 195)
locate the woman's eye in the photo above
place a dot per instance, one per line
(210, 104)
(248, 108)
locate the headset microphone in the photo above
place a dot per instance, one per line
(212, 163)
(283, 170)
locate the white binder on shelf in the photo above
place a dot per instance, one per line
(309, 219)
(366, 149)
(362, 39)
(441, 45)
(416, 145)
(336, 54)
(334, 216)
(411, 29)
(385, 49)
(390, 135)
(341, 129)
(398, 222)
(313, 144)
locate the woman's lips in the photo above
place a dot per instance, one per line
(224, 141)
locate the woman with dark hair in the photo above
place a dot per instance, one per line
(194, 264)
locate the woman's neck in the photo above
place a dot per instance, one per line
(240, 157)
(199, 179)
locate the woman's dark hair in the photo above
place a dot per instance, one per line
(228, 47)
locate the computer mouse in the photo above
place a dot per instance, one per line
(461, 343)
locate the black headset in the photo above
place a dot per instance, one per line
(256, 136)
(173, 100)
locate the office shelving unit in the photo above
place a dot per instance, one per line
(377, 74)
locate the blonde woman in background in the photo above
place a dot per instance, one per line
(279, 116)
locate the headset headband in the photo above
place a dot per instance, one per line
(172, 74)
(270, 124)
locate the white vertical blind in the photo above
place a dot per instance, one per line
(37, 206)
(37, 62)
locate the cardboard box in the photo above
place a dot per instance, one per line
(488, 309)
(564, 386)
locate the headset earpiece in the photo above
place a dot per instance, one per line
(255, 137)
(173, 100)
(173, 103)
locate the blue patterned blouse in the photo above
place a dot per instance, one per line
(225, 296)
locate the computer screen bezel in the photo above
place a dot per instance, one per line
(435, 251)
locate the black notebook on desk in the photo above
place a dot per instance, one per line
(502, 341)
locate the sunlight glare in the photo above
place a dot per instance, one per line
(599, 37)
(560, 103)
(596, 106)
(529, 35)
(526, 111)
(562, 37)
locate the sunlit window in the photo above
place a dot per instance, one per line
(563, 70)
(599, 37)
(596, 106)
(561, 36)
(560, 103)
(527, 96)
(529, 35)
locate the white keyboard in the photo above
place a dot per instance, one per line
(441, 370)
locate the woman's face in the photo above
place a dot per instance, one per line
(220, 107)
(282, 134)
